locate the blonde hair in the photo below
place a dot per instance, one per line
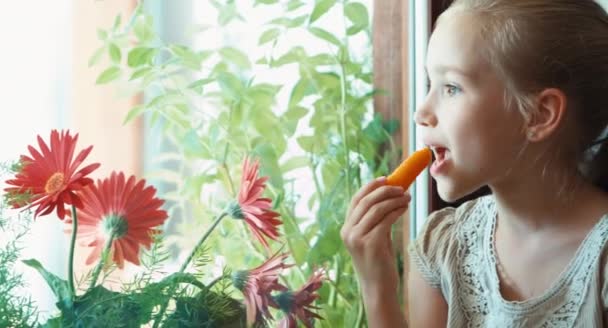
(538, 44)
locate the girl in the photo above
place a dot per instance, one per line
(518, 101)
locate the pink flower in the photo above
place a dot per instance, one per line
(257, 284)
(253, 208)
(298, 305)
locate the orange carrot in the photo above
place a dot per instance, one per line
(409, 169)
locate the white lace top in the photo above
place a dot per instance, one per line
(455, 253)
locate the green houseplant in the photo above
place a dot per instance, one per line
(116, 219)
(212, 109)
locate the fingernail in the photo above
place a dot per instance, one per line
(382, 179)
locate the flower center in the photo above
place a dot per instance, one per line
(284, 300)
(54, 183)
(115, 225)
(234, 210)
(239, 279)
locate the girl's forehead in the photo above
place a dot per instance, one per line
(456, 42)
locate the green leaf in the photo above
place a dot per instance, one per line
(194, 147)
(291, 118)
(114, 52)
(226, 12)
(354, 29)
(102, 34)
(269, 36)
(133, 113)
(193, 186)
(392, 126)
(298, 244)
(199, 84)
(307, 143)
(294, 163)
(140, 72)
(294, 4)
(325, 35)
(289, 22)
(266, 2)
(295, 113)
(97, 56)
(294, 55)
(143, 29)
(269, 163)
(326, 246)
(327, 81)
(268, 126)
(117, 21)
(170, 98)
(187, 56)
(358, 15)
(99, 303)
(302, 88)
(230, 85)
(323, 59)
(109, 75)
(235, 56)
(59, 286)
(321, 7)
(140, 55)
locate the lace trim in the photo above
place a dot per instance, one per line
(476, 295)
(473, 295)
(418, 259)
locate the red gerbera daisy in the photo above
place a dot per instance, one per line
(298, 305)
(257, 284)
(49, 178)
(253, 208)
(125, 211)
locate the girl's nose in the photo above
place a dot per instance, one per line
(424, 116)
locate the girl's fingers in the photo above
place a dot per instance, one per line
(372, 185)
(376, 196)
(382, 230)
(382, 212)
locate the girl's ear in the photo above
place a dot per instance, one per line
(548, 114)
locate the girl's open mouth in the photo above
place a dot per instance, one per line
(441, 157)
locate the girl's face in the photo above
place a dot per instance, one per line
(475, 138)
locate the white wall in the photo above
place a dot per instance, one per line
(34, 66)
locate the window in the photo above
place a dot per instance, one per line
(35, 81)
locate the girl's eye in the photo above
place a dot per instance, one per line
(451, 90)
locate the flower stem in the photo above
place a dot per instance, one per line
(163, 308)
(202, 241)
(104, 255)
(71, 259)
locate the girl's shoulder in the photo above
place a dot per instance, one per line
(442, 233)
(444, 225)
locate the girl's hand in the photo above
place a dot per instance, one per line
(367, 235)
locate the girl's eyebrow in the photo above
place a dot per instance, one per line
(442, 69)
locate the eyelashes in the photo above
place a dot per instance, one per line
(451, 90)
(447, 89)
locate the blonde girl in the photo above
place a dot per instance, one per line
(518, 102)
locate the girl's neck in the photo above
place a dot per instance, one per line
(536, 204)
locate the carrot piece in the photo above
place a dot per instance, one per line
(410, 168)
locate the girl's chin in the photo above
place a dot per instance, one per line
(450, 191)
